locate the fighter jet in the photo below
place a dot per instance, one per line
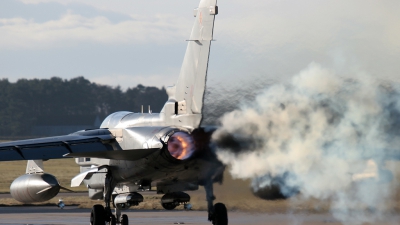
(130, 152)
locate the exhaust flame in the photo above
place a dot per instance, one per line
(318, 135)
(180, 145)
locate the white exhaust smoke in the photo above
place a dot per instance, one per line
(320, 135)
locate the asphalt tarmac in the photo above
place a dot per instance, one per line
(52, 215)
(72, 215)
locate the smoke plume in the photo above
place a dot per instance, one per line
(322, 136)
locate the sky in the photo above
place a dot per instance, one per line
(127, 43)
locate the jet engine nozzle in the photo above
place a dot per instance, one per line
(181, 145)
(37, 187)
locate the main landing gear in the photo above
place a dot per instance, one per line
(217, 213)
(100, 214)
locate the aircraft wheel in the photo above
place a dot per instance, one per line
(113, 220)
(97, 215)
(168, 206)
(220, 214)
(124, 220)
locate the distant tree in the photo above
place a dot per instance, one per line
(54, 101)
(141, 95)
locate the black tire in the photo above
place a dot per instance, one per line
(168, 206)
(113, 220)
(220, 214)
(97, 215)
(124, 220)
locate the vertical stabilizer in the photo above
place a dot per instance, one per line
(189, 89)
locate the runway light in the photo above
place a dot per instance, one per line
(180, 145)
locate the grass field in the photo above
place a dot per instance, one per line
(235, 194)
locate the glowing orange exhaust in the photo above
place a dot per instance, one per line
(181, 146)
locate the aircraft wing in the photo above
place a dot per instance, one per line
(99, 143)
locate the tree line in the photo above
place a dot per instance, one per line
(56, 102)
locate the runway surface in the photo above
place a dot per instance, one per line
(71, 215)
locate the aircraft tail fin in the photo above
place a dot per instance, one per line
(189, 89)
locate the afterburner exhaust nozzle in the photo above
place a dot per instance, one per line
(181, 145)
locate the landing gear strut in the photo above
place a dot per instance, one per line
(217, 213)
(100, 215)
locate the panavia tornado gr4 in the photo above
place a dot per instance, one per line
(131, 152)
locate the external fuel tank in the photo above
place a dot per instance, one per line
(37, 187)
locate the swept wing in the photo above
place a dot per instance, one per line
(99, 143)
